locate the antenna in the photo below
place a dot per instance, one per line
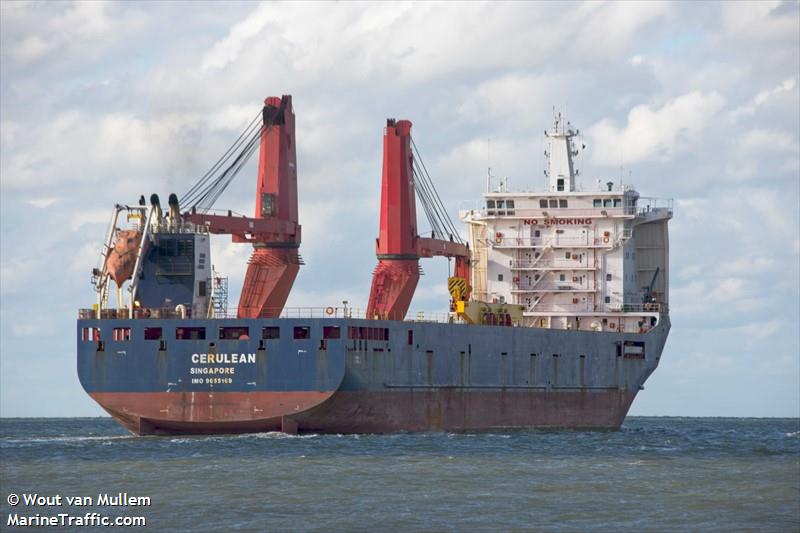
(489, 164)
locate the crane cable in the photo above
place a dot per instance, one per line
(435, 212)
(203, 194)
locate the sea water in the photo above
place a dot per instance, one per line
(655, 474)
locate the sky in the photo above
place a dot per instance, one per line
(102, 102)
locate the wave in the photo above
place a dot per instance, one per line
(47, 440)
(276, 435)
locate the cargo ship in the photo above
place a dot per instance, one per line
(558, 309)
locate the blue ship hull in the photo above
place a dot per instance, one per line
(178, 376)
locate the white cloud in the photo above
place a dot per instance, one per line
(227, 50)
(83, 217)
(655, 133)
(727, 290)
(229, 259)
(84, 258)
(759, 20)
(43, 202)
(27, 328)
(766, 141)
(757, 330)
(30, 49)
(690, 271)
(608, 28)
(343, 39)
(16, 273)
(518, 160)
(74, 33)
(763, 97)
(784, 87)
(76, 147)
(748, 266)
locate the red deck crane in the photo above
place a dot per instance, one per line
(398, 245)
(274, 231)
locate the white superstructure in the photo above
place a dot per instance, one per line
(574, 259)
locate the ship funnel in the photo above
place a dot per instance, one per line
(156, 206)
(174, 210)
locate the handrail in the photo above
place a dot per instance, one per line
(558, 212)
(554, 263)
(562, 242)
(287, 312)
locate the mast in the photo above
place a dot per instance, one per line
(559, 153)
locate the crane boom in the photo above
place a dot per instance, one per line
(398, 246)
(274, 231)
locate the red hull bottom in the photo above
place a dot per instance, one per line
(364, 411)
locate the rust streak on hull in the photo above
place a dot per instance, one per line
(365, 412)
(206, 413)
(460, 410)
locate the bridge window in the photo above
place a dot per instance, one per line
(331, 332)
(302, 332)
(153, 334)
(607, 202)
(554, 203)
(490, 204)
(271, 332)
(597, 202)
(175, 257)
(617, 202)
(543, 203)
(562, 203)
(190, 333)
(234, 333)
(122, 334)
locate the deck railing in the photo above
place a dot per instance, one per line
(286, 312)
